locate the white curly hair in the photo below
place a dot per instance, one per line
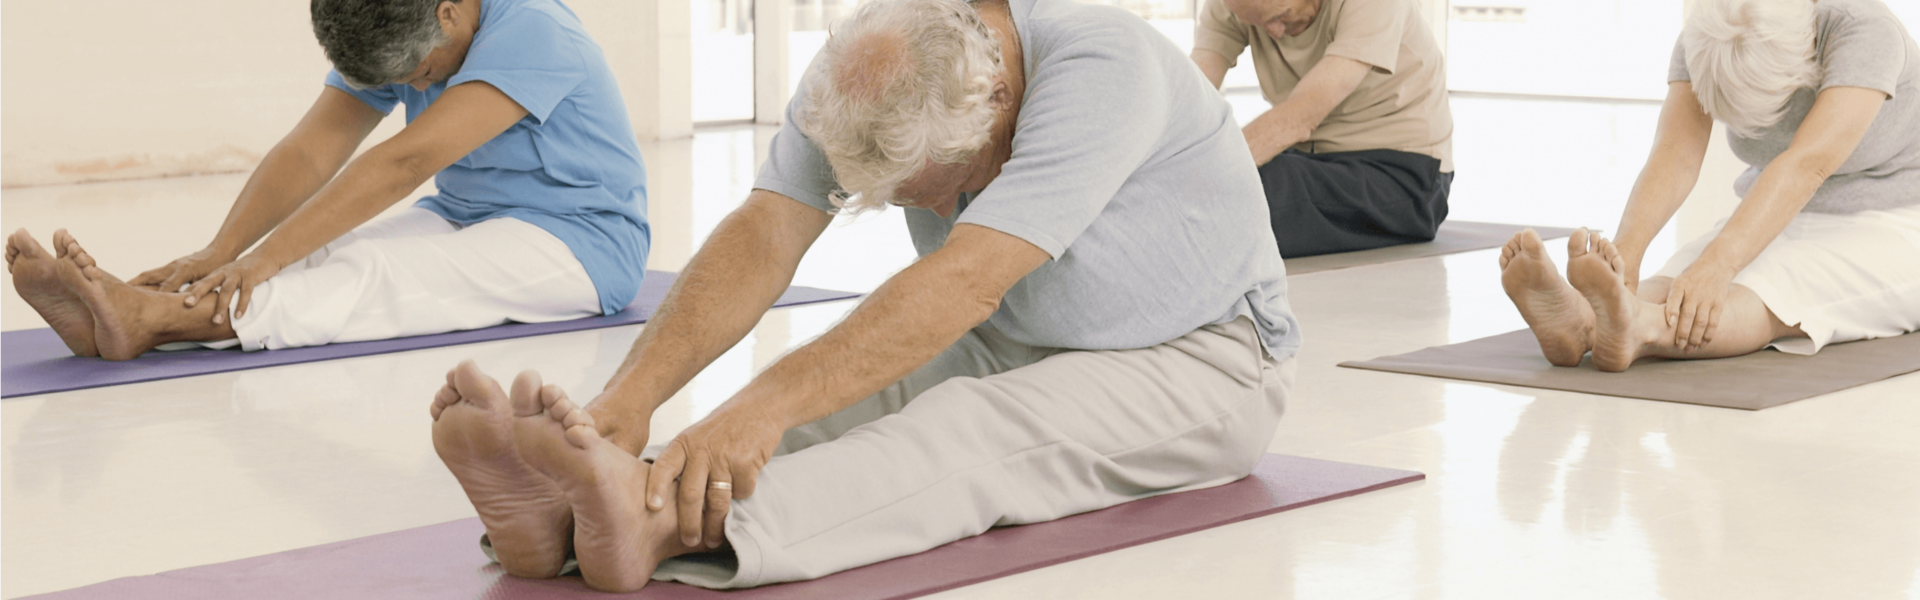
(899, 84)
(1748, 57)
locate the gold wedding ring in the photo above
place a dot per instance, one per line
(721, 485)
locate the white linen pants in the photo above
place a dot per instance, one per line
(415, 273)
(995, 432)
(1840, 277)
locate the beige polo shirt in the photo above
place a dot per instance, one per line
(1400, 105)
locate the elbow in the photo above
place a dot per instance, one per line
(979, 301)
(405, 167)
(1811, 169)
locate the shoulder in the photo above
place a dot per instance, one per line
(1368, 10)
(1845, 14)
(1094, 29)
(537, 20)
(532, 31)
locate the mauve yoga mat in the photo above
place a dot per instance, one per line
(1454, 236)
(34, 361)
(1764, 379)
(444, 561)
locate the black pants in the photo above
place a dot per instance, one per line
(1346, 201)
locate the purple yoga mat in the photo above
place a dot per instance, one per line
(444, 561)
(35, 361)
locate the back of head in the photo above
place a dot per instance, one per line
(1747, 57)
(900, 83)
(376, 42)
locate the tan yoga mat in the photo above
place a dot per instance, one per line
(1453, 237)
(1764, 379)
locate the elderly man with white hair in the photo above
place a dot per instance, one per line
(1823, 100)
(1099, 315)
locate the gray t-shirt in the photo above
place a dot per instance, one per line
(1860, 43)
(1129, 170)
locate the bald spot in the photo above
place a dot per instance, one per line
(871, 64)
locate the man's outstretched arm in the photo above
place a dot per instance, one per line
(906, 323)
(1290, 122)
(741, 270)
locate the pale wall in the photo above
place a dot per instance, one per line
(123, 89)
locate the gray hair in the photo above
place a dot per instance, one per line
(377, 42)
(899, 84)
(1748, 57)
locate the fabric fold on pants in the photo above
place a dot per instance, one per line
(992, 433)
(1348, 201)
(416, 273)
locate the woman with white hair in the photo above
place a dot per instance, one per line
(1822, 99)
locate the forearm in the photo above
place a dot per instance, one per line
(918, 314)
(1276, 130)
(366, 187)
(1292, 121)
(1784, 188)
(729, 284)
(1662, 187)
(285, 179)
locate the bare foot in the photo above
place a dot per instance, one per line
(128, 321)
(527, 519)
(36, 275)
(617, 540)
(1559, 317)
(1617, 327)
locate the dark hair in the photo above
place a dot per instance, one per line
(376, 42)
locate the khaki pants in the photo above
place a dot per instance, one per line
(995, 432)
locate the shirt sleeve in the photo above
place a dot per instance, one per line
(381, 98)
(1092, 116)
(1866, 52)
(1218, 30)
(1677, 68)
(1370, 31)
(795, 167)
(529, 57)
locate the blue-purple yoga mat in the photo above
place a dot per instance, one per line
(34, 361)
(444, 561)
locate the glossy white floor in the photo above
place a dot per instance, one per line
(1531, 494)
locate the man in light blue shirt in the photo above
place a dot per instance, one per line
(539, 214)
(1099, 315)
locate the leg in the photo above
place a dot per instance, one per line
(412, 221)
(36, 275)
(128, 320)
(1076, 431)
(1560, 319)
(528, 522)
(491, 273)
(1346, 201)
(1627, 328)
(979, 353)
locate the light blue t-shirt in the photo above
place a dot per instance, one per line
(570, 167)
(1129, 170)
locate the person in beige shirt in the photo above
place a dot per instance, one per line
(1356, 152)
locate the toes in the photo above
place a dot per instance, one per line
(444, 398)
(572, 415)
(1577, 243)
(526, 385)
(22, 244)
(63, 243)
(583, 437)
(526, 404)
(474, 386)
